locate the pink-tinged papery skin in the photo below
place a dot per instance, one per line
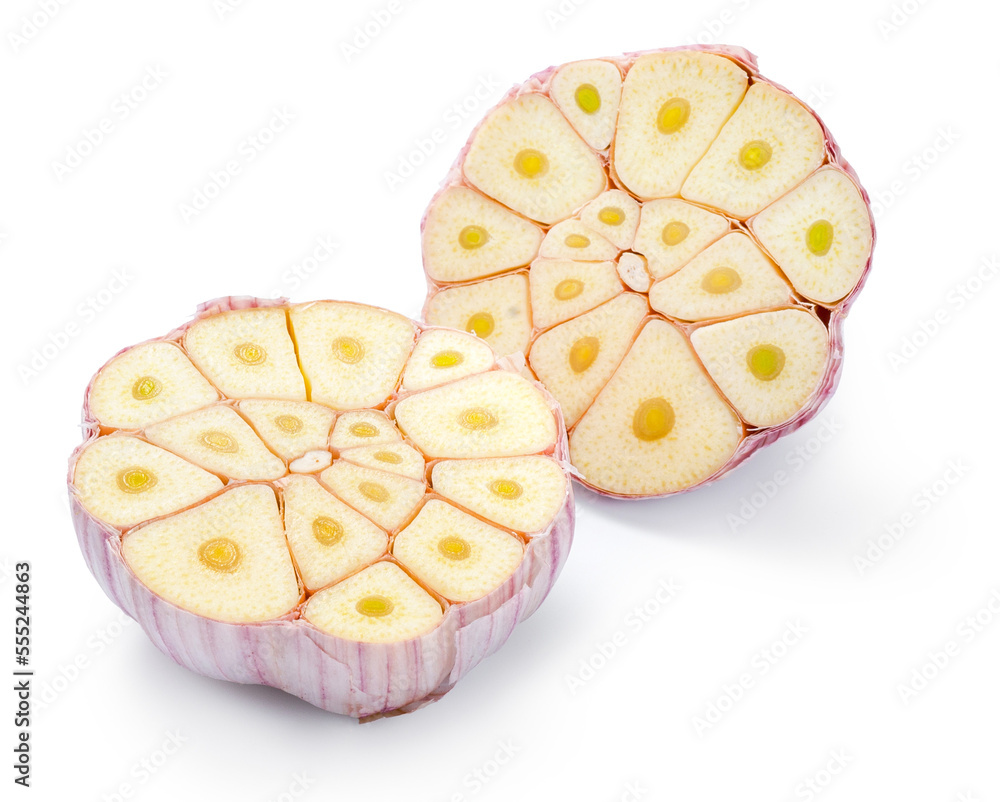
(356, 679)
(832, 315)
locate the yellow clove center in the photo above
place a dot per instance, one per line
(766, 361)
(220, 441)
(327, 531)
(756, 154)
(531, 163)
(583, 353)
(611, 216)
(374, 492)
(653, 419)
(454, 548)
(720, 280)
(472, 237)
(348, 350)
(507, 489)
(672, 115)
(374, 606)
(819, 237)
(250, 353)
(588, 98)
(481, 324)
(288, 423)
(364, 429)
(477, 419)
(146, 387)
(447, 359)
(220, 554)
(567, 289)
(136, 480)
(674, 233)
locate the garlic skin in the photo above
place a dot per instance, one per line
(831, 313)
(356, 679)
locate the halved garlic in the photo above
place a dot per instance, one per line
(299, 542)
(723, 207)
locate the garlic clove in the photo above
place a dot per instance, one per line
(672, 232)
(351, 355)
(496, 310)
(633, 272)
(767, 147)
(328, 539)
(588, 93)
(527, 156)
(614, 215)
(146, 384)
(562, 289)
(289, 428)
(455, 554)
(225, 559)
(380, 604)
(768, 364)
(730, 276)
(661, 418)
(217, 439)
(441, 356)
(386, 498)
(491, 414)
(673, 106)
(819, 235)
(125, 480)
(577, 358)
(468, 236)
(572, 239)
(247, 352)
(311, 462)
(393, 458)
(363, 427)
(519, 493)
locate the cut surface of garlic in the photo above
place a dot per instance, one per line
(723, 210)
(341, 506)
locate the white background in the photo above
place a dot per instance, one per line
(912, 99)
